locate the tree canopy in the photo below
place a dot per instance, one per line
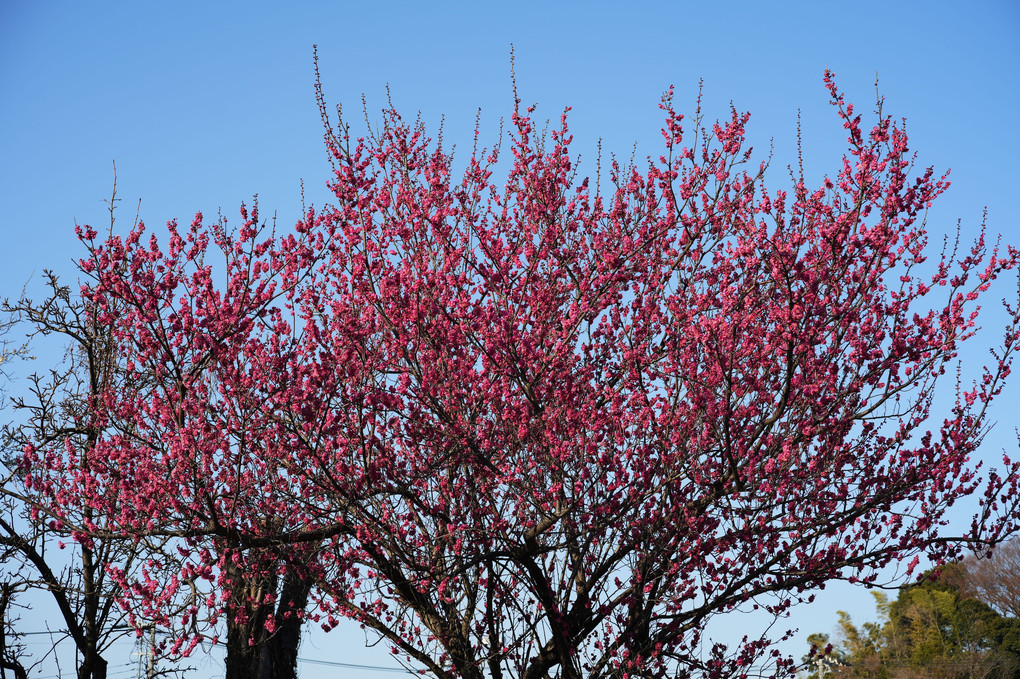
(931, 630)
(534, 427)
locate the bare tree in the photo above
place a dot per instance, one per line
(54, 409)
(995, 578)
(12, 651)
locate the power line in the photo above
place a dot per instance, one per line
(27, 634)
(310, 661)
(111, 670)
(376, 668)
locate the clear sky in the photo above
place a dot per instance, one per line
(204, 104)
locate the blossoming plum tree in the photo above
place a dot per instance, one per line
(526, 428)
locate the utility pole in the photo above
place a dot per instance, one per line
(147, 656)
(150, 672)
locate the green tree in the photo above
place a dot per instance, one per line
(930, 631)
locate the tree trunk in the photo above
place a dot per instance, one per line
(8, 662)
(253, 653)
(242, 657)
(92, 667)
(279, 653)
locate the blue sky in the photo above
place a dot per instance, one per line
(204, 104)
